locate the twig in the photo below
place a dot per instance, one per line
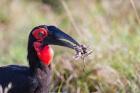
(69, 14)
(135, 10)
(84, 65)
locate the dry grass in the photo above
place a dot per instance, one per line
(109, 27)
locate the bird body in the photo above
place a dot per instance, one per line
(37, 76)
(22, 80)
(18, 76)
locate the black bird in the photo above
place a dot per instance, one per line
(36, 77)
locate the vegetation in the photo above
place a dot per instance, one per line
(109, 27)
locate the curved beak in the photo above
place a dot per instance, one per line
(58, 37)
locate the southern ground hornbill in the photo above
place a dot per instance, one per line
(36, 77)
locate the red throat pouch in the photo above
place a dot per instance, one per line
(45, 54)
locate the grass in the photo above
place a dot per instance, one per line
(110, 29)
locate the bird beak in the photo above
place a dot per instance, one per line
(57, 37)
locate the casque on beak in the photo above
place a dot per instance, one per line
(57, 37)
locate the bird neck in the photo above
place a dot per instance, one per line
(39, 57)
(40, 66)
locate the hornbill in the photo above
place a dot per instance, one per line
(36, 77)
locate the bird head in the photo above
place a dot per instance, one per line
(40, 39)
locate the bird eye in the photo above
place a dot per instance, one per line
(40, 33)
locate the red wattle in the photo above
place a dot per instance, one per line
(45, 54)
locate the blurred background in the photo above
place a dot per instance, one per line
(111, 28)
